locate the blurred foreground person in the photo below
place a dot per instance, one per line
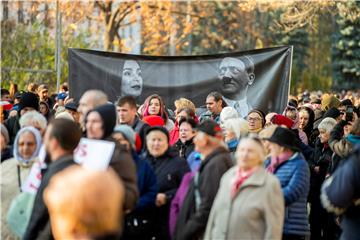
(80, 207)
(341, 193)
(61, 138)
(289, 165)
(232, 215)
(215, 161)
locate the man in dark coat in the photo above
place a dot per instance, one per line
(61, 138)
(193, 216)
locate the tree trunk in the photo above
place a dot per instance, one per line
(5, 10)
(20, 12)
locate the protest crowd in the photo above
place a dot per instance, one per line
(184, 173)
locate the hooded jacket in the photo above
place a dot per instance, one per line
(121, 161)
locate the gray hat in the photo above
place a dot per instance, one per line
(128, 133)
(5, 133)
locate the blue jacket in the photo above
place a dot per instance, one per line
(294, 176)
(147, 184)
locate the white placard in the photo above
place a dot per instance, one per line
(94, 154)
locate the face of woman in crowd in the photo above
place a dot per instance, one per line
(275, 149)
(132, 82)
(324, 135)
(254, 121)
(119, 137)
(229, 134)
(154, 106)
(347, 128)
(27, 145)
(43, 109)
(157, 143)
(186, 132)
(303, 119)
(180, 115)
(94, 126)
(249, 154)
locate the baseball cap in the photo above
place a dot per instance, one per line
(209, 127)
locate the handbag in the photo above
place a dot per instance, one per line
(19, 213)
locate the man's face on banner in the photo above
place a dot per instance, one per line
(233, 76)
(132, 81)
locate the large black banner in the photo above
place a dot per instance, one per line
(250, 79)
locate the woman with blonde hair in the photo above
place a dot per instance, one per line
(80, 207)
(249, 203)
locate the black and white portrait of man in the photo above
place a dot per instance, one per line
(236, 75)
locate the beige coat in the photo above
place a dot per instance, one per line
(257, 212)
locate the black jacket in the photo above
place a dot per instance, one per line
(184, 149)
(13, 126)
(169, 170)
(123, 164)
(321, 158)
(191, 224)
(39, 224)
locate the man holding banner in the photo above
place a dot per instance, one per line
(236, 75)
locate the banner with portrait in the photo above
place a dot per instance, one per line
(251, 79)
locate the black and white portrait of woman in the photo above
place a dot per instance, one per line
(131, 79)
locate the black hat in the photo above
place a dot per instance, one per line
(158, 128)
(71, 106)
(332, 112)
(286, 138)
(346, 102)
(209, 127)
(29, 99)
(108, 115)
(18, 95)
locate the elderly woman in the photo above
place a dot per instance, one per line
(34, 119)
(169, 170)
(234, 129)
(154, 105)
(80, 207)
(249, 203)
(289, 165)
(181, 113)
(15, 170)
(306, 120)
(256, 121)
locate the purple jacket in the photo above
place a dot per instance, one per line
(178, 200)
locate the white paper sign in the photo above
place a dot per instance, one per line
(94, 154)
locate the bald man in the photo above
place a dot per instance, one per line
(90, 100)
(236, 75)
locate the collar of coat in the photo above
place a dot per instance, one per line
(256, 179)
(217, 151)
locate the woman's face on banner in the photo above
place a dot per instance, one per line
(132, 81)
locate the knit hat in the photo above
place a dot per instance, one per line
(108, 115)
(154, 120)
(332, 112)
(329, 101)
(5, 133)
(209, 127)
(262, 115)
(127, 132)
(285, 138)
(228, 113)
(279, 119)
(71, 106)
(158, 128)
(29, 99)
(327, 124)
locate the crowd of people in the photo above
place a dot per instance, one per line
(183, 173)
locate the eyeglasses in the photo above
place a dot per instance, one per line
(250, 119)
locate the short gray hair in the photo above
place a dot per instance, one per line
(327, 124)
(33, 118)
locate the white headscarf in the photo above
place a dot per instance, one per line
(37, 135)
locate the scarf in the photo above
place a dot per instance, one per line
(354, 139)
(240, 177)
(22, 161)
(276, 161)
